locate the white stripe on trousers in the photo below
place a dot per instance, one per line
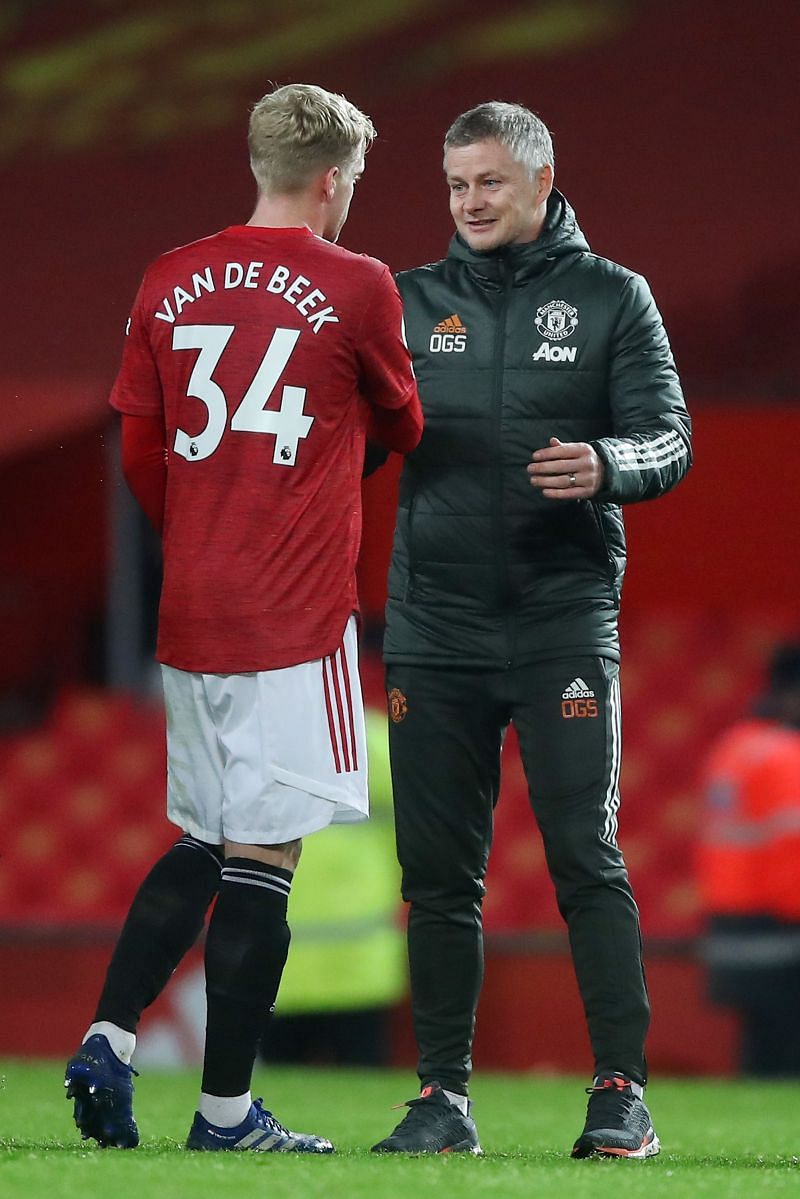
(611, 801)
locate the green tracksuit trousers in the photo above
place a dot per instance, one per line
(445, 737)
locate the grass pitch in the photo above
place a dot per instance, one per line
(719, 1140)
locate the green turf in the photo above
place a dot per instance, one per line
(719, 1140)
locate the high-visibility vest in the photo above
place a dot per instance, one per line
(748, 850)
(348, 947)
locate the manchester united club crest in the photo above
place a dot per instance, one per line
(556, 320)
(398, 705)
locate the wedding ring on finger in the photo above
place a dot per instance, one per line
(573, 482)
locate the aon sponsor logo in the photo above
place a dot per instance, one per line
(448, 343)
(552, 353)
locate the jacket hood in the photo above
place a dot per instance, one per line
(561, 235)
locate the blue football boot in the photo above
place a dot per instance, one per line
(259, 1132)
(102, 1087)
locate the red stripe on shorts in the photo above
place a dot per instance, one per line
(329, 710)
(346, 677)
(340, 714)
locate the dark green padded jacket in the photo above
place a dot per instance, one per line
(513, 347)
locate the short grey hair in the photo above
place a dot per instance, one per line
(524, 135)
(299, 129)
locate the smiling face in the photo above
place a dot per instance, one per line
(493, 200)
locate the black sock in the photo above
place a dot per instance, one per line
(164, 921)
(246, 948)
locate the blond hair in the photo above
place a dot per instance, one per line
(300, 129)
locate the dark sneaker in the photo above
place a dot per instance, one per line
(432, 1125)
(102, 1087)
(259, 1131)
(617, 1122)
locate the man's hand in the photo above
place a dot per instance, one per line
(566, 470)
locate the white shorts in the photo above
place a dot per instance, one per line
(267, 757)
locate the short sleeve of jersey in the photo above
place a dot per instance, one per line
(137, 389)
(387, 372)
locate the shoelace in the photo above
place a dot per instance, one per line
(269, 1120)
(613, 1097)
(616, 1086)
(416, 1111)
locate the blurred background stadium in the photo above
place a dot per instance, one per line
(121, 135)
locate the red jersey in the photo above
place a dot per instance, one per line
(749, 848)
(265, 351)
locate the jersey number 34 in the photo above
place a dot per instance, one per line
(288, 423)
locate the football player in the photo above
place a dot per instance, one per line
(256, 361)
